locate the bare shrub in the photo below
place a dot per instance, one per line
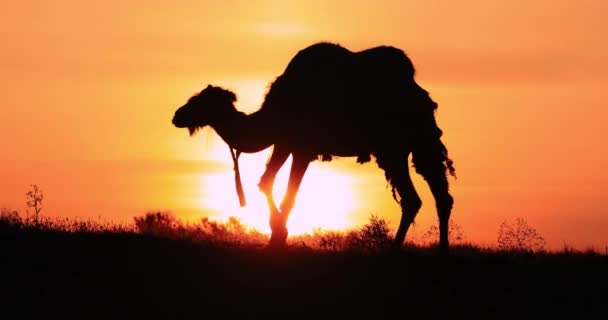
(455, 234)
(10, 220)
(158, 223)
(519, 236)
(330, 240)
(372, 237)
(34, 198)
(232, 231)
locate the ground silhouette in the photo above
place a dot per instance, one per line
(91, 272)
(328, 102)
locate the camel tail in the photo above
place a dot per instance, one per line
(431, 158)
(429, 153)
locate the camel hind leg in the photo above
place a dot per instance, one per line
(430, 157)
(397, 174)
(437, 180)
(438, 184)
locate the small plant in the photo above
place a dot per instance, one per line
(330, 240)
(225, 232)
(568, 249)
(157, 223)
(10, 219)
(519, 236)
(372, 237)
(231, 232)
(34, 199)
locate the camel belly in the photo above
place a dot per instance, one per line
(344, 143)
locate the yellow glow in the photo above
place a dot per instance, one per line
(326, 198)
(281, 29)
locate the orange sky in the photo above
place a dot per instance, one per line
(89, 89)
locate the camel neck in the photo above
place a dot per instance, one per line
(245, 133)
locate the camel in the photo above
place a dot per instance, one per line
(334, 102)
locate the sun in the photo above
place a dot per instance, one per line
(326, 198)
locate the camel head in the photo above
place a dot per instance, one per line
(204, 108)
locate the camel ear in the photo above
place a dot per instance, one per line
(230, 96)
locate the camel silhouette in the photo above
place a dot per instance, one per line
(328, 102)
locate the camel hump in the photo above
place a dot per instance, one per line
(325, 59)
(324, 48)
(327, 74)
(386, 60)
(319, 56)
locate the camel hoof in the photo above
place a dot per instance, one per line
(396, 245)
(444, 250)
(278, 238)
(277, 222)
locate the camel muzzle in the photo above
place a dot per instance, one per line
(177, 123)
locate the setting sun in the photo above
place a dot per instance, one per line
(326, 199)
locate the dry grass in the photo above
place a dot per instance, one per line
(159, 267)
(373, 237)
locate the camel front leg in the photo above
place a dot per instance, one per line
(277, 159)
(296, 175)
(278, 225)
